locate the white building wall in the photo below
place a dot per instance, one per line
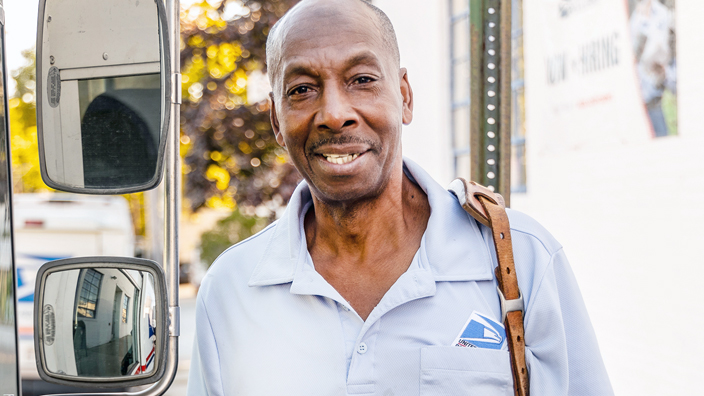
(423, 39)
(626, 207)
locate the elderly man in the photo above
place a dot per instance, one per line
(375, 281)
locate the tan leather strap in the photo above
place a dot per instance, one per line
(468, 193)
(488, 208)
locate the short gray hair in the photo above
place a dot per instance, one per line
(274, 41)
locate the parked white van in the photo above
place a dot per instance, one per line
(55, 226)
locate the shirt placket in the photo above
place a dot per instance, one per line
(414, 284)
(351, 326)
(360, 376)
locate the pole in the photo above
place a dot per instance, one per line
(490, 93)
(172, 196)
(172, 205)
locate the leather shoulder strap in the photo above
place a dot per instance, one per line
(489, 209)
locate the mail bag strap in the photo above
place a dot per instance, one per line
(489, 209)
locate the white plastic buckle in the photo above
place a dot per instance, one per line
(510, 305)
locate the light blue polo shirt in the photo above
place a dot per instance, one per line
(269, 324)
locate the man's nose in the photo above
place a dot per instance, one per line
(336, 111)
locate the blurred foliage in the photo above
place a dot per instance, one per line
(227, 232)
(231, 157)
(136, 204)
(23, 130)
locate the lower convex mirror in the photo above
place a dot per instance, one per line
(100, 321)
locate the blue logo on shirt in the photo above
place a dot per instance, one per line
(481, 332)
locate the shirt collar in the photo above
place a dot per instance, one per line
(453, 242)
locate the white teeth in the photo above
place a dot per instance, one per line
(340, 158)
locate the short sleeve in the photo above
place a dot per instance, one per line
(562, 352)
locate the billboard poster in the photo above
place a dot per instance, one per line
(654, 38)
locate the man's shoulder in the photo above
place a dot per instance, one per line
(534, 251)
(525, 227)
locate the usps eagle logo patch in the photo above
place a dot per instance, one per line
(481, 332)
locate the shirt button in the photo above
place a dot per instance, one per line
(344, 307)
(362, 348)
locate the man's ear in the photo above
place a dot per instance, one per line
(275, 121)
(407, 96)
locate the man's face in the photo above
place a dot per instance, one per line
(340, 101)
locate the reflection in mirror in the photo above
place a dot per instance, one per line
(99, 322)
(129, 108)
(103, 94)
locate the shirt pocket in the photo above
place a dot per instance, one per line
(452, 371)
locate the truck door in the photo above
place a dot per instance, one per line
(9, 371)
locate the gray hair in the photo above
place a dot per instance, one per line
(274, 41)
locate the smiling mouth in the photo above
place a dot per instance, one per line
(340, 159)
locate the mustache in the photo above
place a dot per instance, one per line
(341, 140)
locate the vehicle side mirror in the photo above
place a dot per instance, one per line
(103, 94)
(101, 322)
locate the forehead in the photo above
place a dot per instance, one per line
(331, 35)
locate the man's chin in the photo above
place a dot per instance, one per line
(343, 194)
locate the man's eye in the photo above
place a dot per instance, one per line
(363, 80)
(299, 91)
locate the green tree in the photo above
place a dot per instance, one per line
(23, 129)
(231, 157)
(227, 232)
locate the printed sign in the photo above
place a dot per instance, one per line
(583, 87)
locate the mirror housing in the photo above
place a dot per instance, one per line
(101, 322)
(104, 92)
